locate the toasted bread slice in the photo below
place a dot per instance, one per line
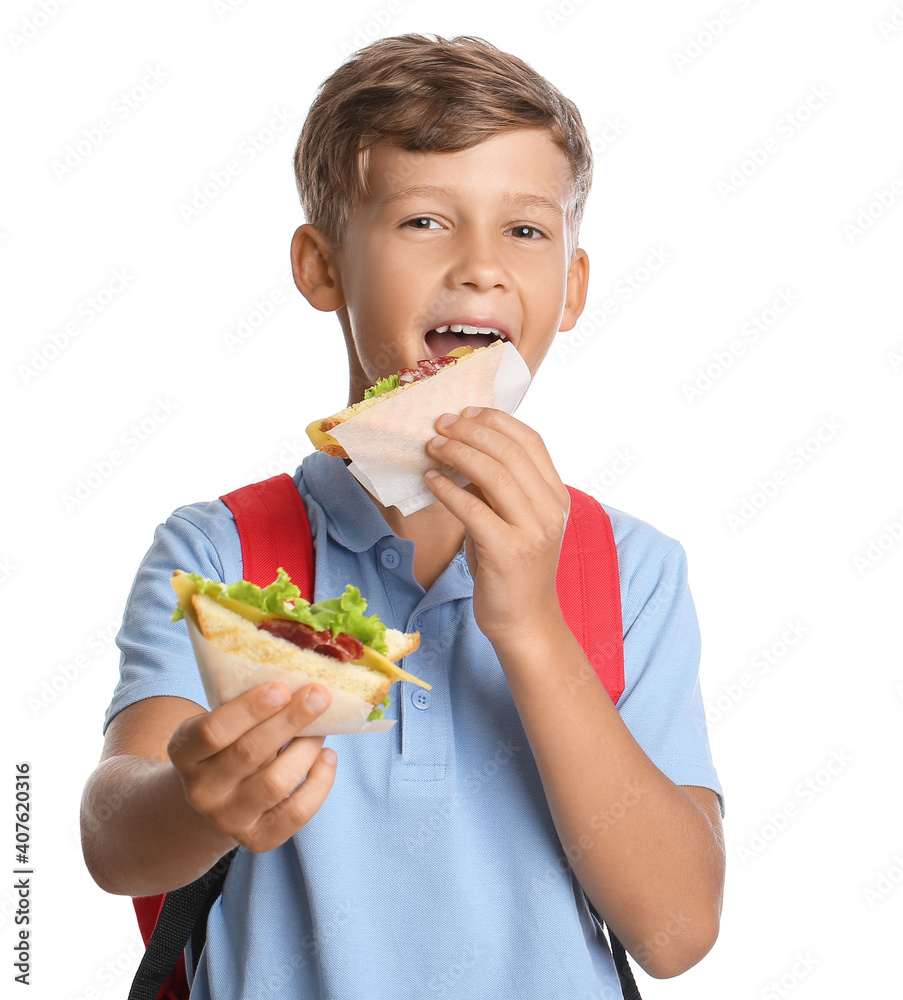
(401, 643)
(231, 633)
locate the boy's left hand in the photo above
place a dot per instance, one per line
(514, 520)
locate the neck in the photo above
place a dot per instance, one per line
(437, 536)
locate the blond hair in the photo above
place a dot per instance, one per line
(432, 95)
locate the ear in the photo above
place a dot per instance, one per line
(314, 268)
(577, 285)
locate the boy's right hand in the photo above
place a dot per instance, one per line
(234, 774)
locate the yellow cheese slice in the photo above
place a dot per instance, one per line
(320, 439)
(185, 589)
(376, 661)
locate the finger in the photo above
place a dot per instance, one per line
(476, 516)
(504, 471)
(529, 439)
(202, 736)
(216, 785)
(255, 747)
(269, 785)
(505, 491)
(488, 531)
(281, 822)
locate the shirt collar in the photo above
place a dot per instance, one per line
(354, 520)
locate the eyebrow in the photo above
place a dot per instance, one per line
(511, 199)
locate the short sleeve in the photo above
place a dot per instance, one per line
(662, 703)
(156, 655)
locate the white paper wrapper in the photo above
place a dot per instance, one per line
(226, 676)
(387, 443)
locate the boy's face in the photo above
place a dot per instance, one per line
(477, 237)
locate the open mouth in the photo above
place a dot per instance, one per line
(443, 339)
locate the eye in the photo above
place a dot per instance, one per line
(424, 222)
(525, 232)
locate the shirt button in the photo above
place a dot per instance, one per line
(420, 698)
(390, 558)
(418, 623)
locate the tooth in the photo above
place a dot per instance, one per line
(442, 329)
(468, 329)
(456, 327)
(486, 329)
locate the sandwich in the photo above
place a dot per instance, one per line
(390, 388)
(385, 436)
(274, 629)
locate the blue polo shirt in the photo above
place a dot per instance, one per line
(433, 868)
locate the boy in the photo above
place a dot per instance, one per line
(443, 182)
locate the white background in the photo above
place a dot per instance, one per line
(809, 412)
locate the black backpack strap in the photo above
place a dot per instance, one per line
(619, 954)
(625, 973)
(182, 919)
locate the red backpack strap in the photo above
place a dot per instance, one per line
(274, 530)
(175, 986)
(589, 589)
(147, 909)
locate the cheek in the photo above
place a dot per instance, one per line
(399, 294)
(380, 276)
(545, 276)
(367, 294)
(545, 301)
(366, 272)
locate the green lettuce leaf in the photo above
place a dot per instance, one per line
(379, 712)
(346, 614)
(282, 599)
(272, 598)
(383, 385)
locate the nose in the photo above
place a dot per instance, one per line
(477, 261)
